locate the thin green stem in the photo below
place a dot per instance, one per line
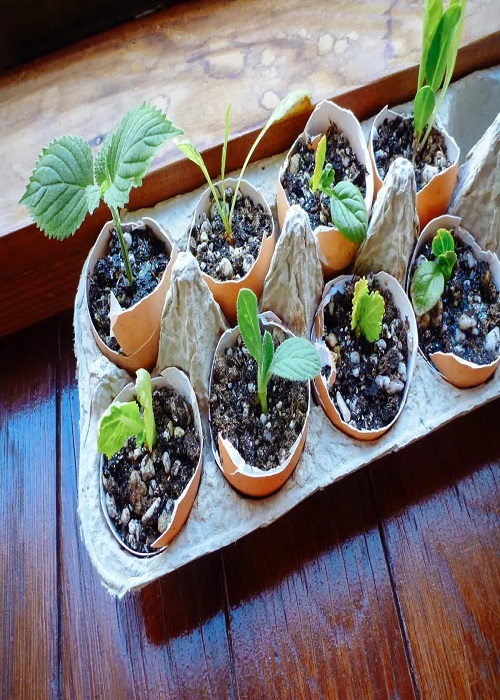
(262, 389)
(118, 227)
(247, 160)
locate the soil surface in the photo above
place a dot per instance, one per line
(148, 260)
(300, 169)
(394, 139)
(371, 377)
(466, 320)
(141, 486)
(209, 244)
(264, 441)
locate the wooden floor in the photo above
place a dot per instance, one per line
(384, 585)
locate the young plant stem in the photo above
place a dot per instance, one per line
(118, 227)
(262, 389)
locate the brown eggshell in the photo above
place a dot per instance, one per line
(245, 478)
(459, 372)
(433, 199)
(321, 383)
(136, 329)
(178, 381)
(225, 293)
(336, 252)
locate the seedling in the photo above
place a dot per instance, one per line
(428, 282)
(124, 419)
(295, 359)
(347, 205)
(367, 311)
(291, 103)
(67, 182)
(440, 39)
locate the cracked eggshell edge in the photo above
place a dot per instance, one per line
(320, 383)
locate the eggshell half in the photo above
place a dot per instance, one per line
(459, 372)
(245, 478)
(321, 383)
(225, 293)
(136, 329)
(336, 252)
(433, 199)
(178, 381)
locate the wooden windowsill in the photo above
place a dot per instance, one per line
(191, 60)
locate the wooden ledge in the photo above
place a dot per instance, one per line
(191, 60)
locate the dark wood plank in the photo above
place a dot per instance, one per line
(169, 640)
(440, 508)
(311, 606)
(28, 514)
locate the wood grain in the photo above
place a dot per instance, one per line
(169, 641)
(311, 606)
(439, 504)
(28, 514)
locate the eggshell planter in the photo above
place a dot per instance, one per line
(459, 372)
(335, 250)
(321, 383)
(245, 478)
(137, 329)
(174, 379)
(435, 197)
(226, 292)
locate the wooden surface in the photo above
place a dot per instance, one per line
(191, 60)
(385, 585)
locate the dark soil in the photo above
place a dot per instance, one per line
(371, 377)
(148, 260)
(209, 244)
(264, 441)
(341, 157)
(141, 487)
(394, 139)
(466, 319)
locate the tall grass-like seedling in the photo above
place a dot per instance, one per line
(368, 310)
(440, 38)
(427, 285)
(124, 419)
(67, 182)
(295, 359)
(347, 205)
(291, 103)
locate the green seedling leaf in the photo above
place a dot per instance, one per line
(57, 195)
(131, 149)
(267, 355)
(248, 321)
(296, 101)
(296, 359)
(119, 422)
(427, 287)
(446, 263)
(437, 56)
(433, 11)
(319, 161)
(327, 178)
(224, 155)
(349, 213)
(442, 242)
(423, 108)
(367, 311)
(145, 397)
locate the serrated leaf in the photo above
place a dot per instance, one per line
(248, 321)
(102, 177)
(437, 56)
(442, 242)
(423, 108)
(119, 422)
(433, 11)
(93, 194)
(349, 213)
(360, 290)
(319, 161)
(56, 195)
(267, 355)
(371, 313)
(296, 359)
(145, 397)
(131, 149)
(427, 286)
